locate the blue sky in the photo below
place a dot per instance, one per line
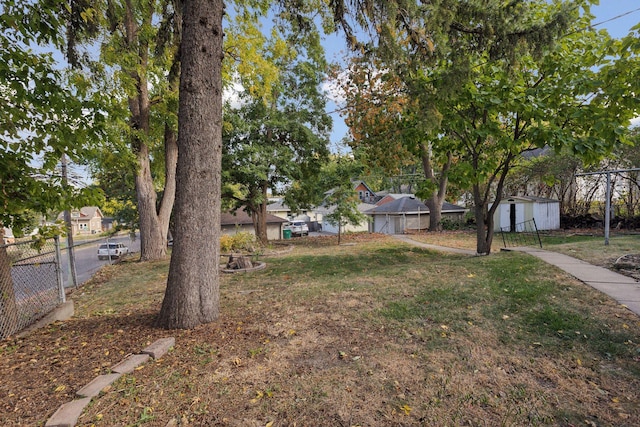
(608, 14)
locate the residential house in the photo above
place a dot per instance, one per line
(277, 207)
(407, 214)
(86, 220)
(514, 211)
(240, 221)
(365, 193)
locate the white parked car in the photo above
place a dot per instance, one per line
(112, 250)
(298, 228)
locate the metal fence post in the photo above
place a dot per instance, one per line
(61, 293)
(535, 227)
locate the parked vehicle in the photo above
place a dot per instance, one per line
(297, 228)
(112, 251)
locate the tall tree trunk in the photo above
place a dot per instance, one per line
(483, 213)
(260, 216)
(169, 194)
(152, 240)
(192, 294)
(484, 233)
(8, 307)
(434, 202)
(153, 221)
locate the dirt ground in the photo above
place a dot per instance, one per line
(278, 359)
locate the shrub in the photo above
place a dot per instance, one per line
(452, 224)
(237, 242)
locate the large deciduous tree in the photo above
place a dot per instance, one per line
(279, 133)
(396, 130)
(192, 294)
(141, 52)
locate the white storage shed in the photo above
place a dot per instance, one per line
(515, 210)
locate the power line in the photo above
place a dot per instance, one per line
(615, 17)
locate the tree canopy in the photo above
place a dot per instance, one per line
(500, 79)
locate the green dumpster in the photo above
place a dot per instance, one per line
(286, 234)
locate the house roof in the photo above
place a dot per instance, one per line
(387, 198)
(86, 213)
(91, 211)
(240, 217)
(277, 205)
(355, 184)
(410, 205)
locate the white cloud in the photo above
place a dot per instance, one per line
(233, 95)
(635, 122)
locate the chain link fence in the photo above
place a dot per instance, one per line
(30, 284)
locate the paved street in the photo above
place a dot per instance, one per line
(87, 262)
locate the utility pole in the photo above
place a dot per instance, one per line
(607, 213)
(67, 222)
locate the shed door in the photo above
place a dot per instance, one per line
(506, 214)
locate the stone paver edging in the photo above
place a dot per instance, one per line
(67, 414)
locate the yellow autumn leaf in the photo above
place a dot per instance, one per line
(99, 417)
(470, 275)
(406, 409)
(269, 424)
(60, 388)
(579, 362)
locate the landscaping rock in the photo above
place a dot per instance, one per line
(67, 415)
(160, 347)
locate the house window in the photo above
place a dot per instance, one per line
(83, 226)
(360, 194)
(75, 214)
(367, 194)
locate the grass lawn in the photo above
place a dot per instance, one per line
(374, 333)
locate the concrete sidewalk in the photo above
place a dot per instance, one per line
(623, 289)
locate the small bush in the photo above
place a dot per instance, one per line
(452, 224)
(241, 241)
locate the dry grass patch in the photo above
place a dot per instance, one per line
(591, 247)
(378, 333)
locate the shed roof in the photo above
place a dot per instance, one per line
(410, 205)
(531, 199)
